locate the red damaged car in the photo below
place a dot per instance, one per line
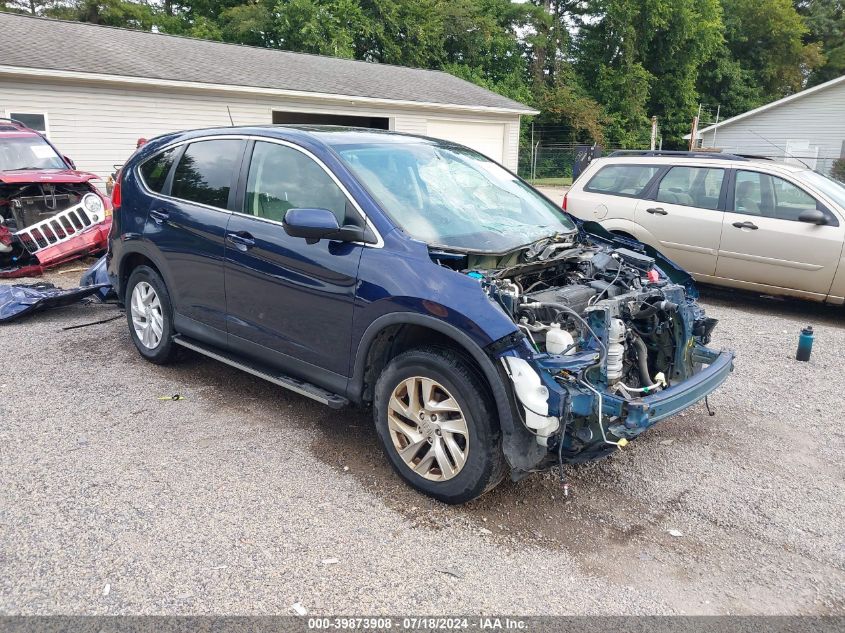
(50, 213)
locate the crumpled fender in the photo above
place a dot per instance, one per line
(97, 275)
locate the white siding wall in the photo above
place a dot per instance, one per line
(98, 125)
(817, 119)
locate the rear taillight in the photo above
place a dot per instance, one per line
(115, 192)
(564, 200)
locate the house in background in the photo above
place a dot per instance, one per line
(806, 127)
(95, 90)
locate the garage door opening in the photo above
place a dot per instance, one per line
(313, 118)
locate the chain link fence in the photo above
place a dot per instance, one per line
(559, 161)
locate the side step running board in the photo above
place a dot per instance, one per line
(262, 371)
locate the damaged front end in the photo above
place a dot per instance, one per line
(613, 341)
(44, 224)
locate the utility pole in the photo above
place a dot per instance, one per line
(653, 132)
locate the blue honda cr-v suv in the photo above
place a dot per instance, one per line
(490, 332)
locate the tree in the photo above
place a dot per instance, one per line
(125, 13)
(33, 7)
(403, 32)
(825, 20)
(645, 57)
(767, 40)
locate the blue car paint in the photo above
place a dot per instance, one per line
(350, 292)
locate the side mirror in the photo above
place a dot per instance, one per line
(69, 162)
(813, 216)
(318, 224)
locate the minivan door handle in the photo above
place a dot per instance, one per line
(657, 211)
(242, 240)
(159, 216)
(746, 225)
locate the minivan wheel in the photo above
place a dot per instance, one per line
(150, 317)
(436, 424)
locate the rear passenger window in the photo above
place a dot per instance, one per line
(624, 180)
(692, 187)
(206, 171)
(282, 178)
(155, 170)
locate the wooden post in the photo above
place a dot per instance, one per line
(653, 132)
(693, 133)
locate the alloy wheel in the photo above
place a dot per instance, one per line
(147, 316)
(428, 428)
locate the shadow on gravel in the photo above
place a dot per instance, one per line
(775, 306)
(529, 512)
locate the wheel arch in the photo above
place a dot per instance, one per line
(130, 261)
(394, 333)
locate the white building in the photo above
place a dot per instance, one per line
(94, 91)
(808, 127)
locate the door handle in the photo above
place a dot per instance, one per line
(159, 216)
(243, 241)
(657, 211)
(746, 225)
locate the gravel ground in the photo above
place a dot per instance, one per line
(237, 499)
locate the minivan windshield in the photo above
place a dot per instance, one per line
(28, 152)
(453, 197)
(827, 186)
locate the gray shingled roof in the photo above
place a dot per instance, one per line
(74, 46)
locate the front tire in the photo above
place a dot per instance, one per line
(436, 424)
(150, 315)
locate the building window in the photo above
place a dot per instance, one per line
(34, 120)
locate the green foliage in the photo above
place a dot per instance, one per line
(838, 170)
(825, 20)
(646, 56)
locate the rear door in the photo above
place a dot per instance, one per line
(610, 192)
(684, 216)
(290, 302)
(187, 226)
(764, 242)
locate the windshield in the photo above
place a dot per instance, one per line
(28, 152)
(453, 197)
(827, 186)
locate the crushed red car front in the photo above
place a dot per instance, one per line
(50, 213)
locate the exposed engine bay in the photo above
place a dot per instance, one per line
(42, 224)
(606, 328)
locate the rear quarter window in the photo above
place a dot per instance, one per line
(622, 180)
(154, 171)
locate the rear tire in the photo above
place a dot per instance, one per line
(437, 425)
(150, 315)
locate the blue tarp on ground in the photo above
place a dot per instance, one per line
(21, 299)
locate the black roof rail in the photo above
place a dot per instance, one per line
(664, 152)
(15, 121)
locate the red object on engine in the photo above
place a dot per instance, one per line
(653, 276)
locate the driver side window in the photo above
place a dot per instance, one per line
(768, 196)
(282, 178)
